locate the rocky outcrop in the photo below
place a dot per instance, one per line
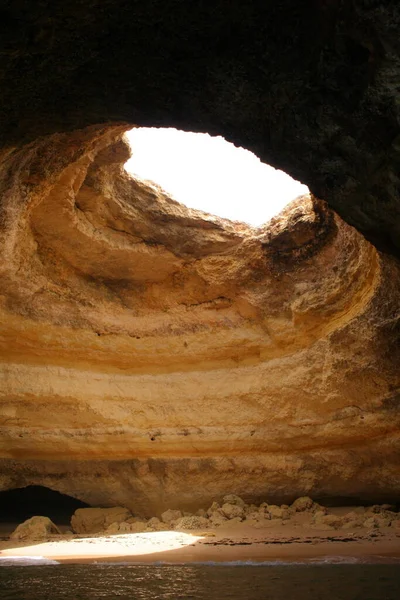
(151, 354)
(303, 513)
(93, 520)
(35, 528)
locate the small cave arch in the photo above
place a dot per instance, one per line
(19, 504)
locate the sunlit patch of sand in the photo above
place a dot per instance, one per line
(138, 544)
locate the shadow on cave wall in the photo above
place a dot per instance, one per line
(20, 504)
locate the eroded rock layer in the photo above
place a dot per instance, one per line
(310, 87)
(157, 357)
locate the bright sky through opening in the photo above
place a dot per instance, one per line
(211, 174)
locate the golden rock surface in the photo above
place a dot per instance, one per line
(159, 357)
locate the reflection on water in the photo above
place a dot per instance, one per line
(216, 582)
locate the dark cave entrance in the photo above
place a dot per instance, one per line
(20, 504)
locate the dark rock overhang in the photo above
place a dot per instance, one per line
(311, 87)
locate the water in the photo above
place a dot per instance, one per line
(203, 582)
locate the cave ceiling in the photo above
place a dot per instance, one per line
(311, 87)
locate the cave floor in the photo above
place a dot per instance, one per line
(225, 544)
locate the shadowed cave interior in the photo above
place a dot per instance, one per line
(20, 504)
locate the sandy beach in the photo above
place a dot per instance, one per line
(305, 531)
(237, 542)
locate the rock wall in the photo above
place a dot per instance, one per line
(157, 357)
(310, 87)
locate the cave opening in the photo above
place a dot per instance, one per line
(19, 504)
(210, 174)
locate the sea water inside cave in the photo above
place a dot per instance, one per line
(263, 581)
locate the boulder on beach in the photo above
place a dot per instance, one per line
(302, 504)
(256, 515)
(154, 524)
(94, 520)
(277, 512)
(138, 526)
(126, 527)
(217, 519)
(233, 499)
(214, 508)
(192, 523)
(379, 512)
(118, 528)
(264, 522)
(323, 521)
(232, 511)
(35, 528)
(250, 509)
(235, 523)
(170, 516)
(376, 522)
(352, 520)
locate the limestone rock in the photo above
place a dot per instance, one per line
(318, 508)
(318, 515)
(267, 523)
(370, 523)
(250, 509)
(352, 520)
(137, 527)
(277, 512)
(169, 516)
(379, 509)
(154, 524)
(192, 523)
(322, 521)
(254, 516)
(233, 523)
(302, 504)
(214, 508)
(35, 528)
(235, 500)
(118, 305)
(132, 520)
(351, 524)
(389, 507)
(113, 528)
(382, 514)
(217, 519)
(231, 511)
(93, 520)
(377, 522)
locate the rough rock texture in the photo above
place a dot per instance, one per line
(312, 87)
(169, 516)
(35, 528)
(92, 520)
(302, 504)
(192, 523)
(156, 357)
